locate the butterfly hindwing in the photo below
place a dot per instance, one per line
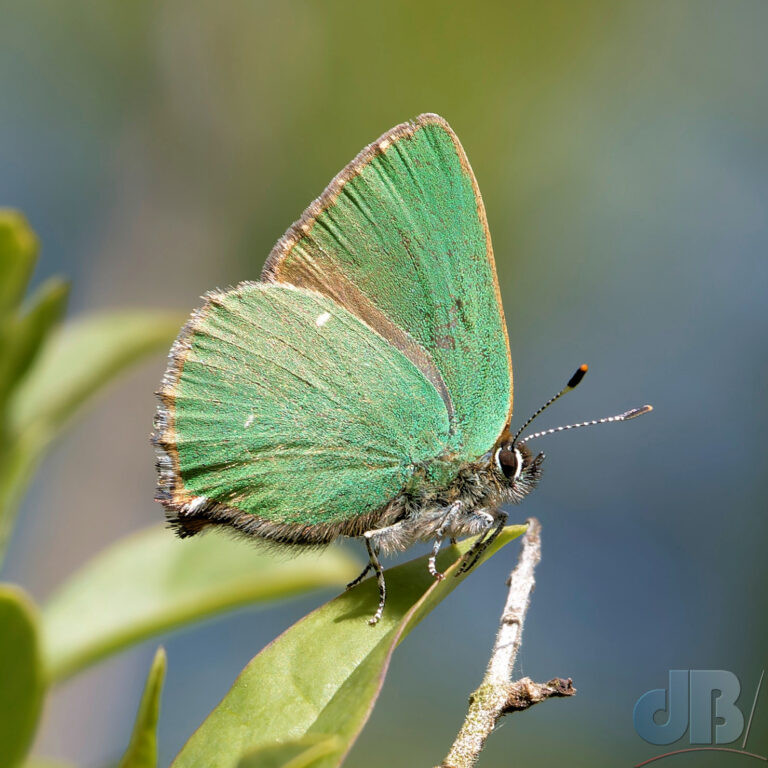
(281, 406)
(400, 238)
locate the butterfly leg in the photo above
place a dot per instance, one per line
(431, 563)
(486, 538)
(447, 522)
(379, 537)
(356, 581)
(376, 565)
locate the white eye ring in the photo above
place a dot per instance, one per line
(518, 465)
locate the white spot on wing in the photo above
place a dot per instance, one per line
(322, 319)
(249, 421)
(384, 144)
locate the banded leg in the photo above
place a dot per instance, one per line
(375, 533)
(376, 565)
(486, 538)
(356, 581)
(431, 567)
(453, 510)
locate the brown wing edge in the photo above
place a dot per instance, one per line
(300, 228)
(188, 514)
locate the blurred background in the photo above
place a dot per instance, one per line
(159, 150)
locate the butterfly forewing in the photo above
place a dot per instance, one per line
(400, 238)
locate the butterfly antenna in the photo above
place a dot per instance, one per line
(573, 382)
(626, 416)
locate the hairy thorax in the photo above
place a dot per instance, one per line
(466, 507)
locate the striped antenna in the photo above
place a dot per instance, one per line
(573, 382)
(626, 416)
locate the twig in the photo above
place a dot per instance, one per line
(496, 695)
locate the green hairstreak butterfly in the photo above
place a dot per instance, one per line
(363, 387)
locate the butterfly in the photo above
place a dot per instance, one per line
(362, 387)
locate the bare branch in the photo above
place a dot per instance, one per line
(521, 583)
(496, 695)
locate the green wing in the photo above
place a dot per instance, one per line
(279, 404)
(400, 239)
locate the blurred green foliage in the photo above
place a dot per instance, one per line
(22, 682)
(48, 372)
(151, 581)
(142, 750)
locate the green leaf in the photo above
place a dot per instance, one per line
(76, 362)
(323, 675)
(83, 357)
(307, 752)
(18, 254)
(152, 582)
(16, 468)
(22, 682)
(26, 333)
(142, 751)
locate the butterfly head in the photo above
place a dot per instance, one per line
(516, 461)
(519, 466)
(513, 458)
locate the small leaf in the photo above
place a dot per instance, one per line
(323, 675)
(17, 463)
(26, 333)
(76, 362)
(18, 254)
(142, 751)
(152, 582)
(22, 682)
(83, 357)
(306, 752)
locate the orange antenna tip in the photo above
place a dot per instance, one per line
(575, 380)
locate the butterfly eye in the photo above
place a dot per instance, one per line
(510, 462)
